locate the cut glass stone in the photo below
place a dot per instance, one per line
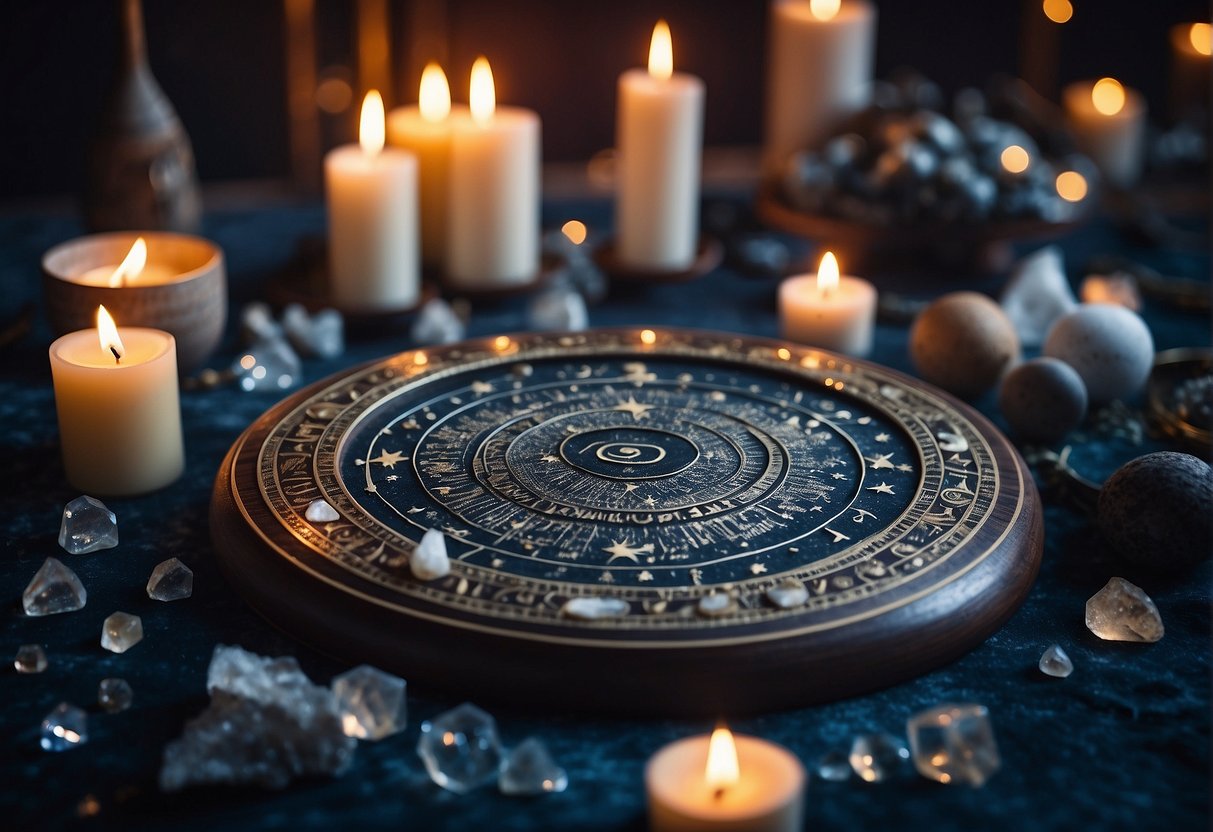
(437, 323)
(877, 757)
(64, 728)
(429, 560)
(87, 526)
(31, 658)
(716, 604)
(558, 309)
(372, 703)
(269, 364)
(460, 748)
(529, 770)
(114, 695)
(54, 589)
(834, 767)
(319, 511)
(1123, 612)
(171, 580)
(121, 631)
(590, 608)
(789, 594)
(1055, 662)
(954, 744)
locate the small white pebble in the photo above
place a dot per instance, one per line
(430, 560)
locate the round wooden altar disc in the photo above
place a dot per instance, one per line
(755, 524)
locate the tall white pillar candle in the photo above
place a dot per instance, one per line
(119, 414)
(659, 138)
(828, 310)
(819, 71)
(1109, 122)
(493, 202)
(374, 257)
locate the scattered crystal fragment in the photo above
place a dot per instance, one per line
(371, 703)
(319, 511)
(171, 580)
(529, 770)
(1123, 612)
(791, 593)
(1055, 662)
(1037, 295)
(87, 526)
(460, 748)
(64, 728)
(954, 744)
(834, 767)
(121, 631)
(54, 589)
(592, 608)
(321, 335)
(114, 695)
(437, 323)
(429, 560)
(558, 309)
(257, 323)
(877, 757)
(31, 658)
(716, 604)
(269, 364)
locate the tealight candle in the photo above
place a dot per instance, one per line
(1109, 122)
(117, 401)
(133, 270)
(828, 310)
(724, 782)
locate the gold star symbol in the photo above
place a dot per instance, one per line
(882, 437)
(634, 407)
(481, 388)
(757, 568)
(838, 476)
(905, 468)
(388, 459)
(392, 477)
(880, 461)
(645, 576)
(650, 501)
(629, 487)
(883, 488)
(549, 458)
(624, 549)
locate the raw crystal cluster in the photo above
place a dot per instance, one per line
(121, 631)
(321, 335)
(1123, 612)
(437, 323)
(372, 703)
(54, 589)
(87, 526)
(954, 744)
(460, 748)
(560, 308)
(171, 580)
(64, 728)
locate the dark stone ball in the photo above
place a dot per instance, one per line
(1157, 511)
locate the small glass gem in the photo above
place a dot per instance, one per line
(114, 695)
(31, 658)
(64, 728)
(1122, 611)
(87, 526)
(429, 560)
(954, 744)
(53, 589)
(121, 631)
(460, 748)
(269, 364)
(371, 703)
(529, 770)
(1055, 662)
(171, 580)
(834, 767)
(877, 757)
(319, 511)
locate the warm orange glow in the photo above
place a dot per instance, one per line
(107, 334)
(784, 353)
(1071, 186)
(502, 342)
(722, 769)
(648, 336)
(482, 97)
(434, 95)
(661, 52)
(1015, 159)
(1059, 11)
(131, 265)
(827, 274)
(824, 9)
(1201, 37)
(575, 230)
(1108, 96)
(370, 124)
(420, 359)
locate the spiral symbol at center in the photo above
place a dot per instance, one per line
(631, 454)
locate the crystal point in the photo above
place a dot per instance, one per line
(1055, 662)
(30, 658)
(121, 631)
(64, 728)
(54, 589)
(1123, 612)
(429, 560)
(877, 757)
(87, 526)
(437, 323)
(171, 580)
(460, 748)
(114, 695)
(954, 744)
(558, 309)
(529, 770)
(372, 703)
(319, 511)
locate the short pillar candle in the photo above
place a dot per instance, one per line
(828, 310)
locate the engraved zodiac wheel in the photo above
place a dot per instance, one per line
(638, 521)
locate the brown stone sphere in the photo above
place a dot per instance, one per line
(963, 342)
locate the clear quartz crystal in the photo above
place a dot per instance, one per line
(529, 770)
(877, 757)
(558, 309)
(1123, 612)
(1055, 662)
(30, 658)
(437, 323)
(87, 526)
(321, 335)
(269, 364)
(954, 744)
(319, 511)
(121, 631)
(257, 323)
(789, 594)
(460, 748)
(114, 695)
(371, 703)
(64, 728)
(53, 589)
(429, 560)
(834, 767)
(171, 580)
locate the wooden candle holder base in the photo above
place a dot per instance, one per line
(708, 254)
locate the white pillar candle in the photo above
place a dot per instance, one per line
(724, 783)
(374, 258)
(819, 72)
(659, 138)
(828, 310)
(119, 415)
(493, 207)
(1109, 122)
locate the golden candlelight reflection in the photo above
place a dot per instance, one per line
(722, 769)
(661, 52)
(1108, 96)
(107, 334)
(1071, 186)
(824, 9)
(1015, 159)
(827, 274)
(482, 97)
(1059, 11)
(370, 124)
(648, 337)
(132, 265)
(434, 94)
(575, 230)
(1200, 35)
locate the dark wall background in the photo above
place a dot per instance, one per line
(222, 63)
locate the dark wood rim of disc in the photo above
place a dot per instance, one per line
(709, 252)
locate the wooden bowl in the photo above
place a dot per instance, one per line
(193, 306)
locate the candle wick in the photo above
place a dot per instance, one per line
(117, 355)
(718, 794)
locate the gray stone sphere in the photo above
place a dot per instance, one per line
(1156, 511)
(1043, 399)
(1109, 346)
(963, 342)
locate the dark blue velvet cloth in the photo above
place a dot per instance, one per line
(1123, 743)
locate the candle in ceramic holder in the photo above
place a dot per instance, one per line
(1109, 122)
(493, 202)
(819, 72)
(1191, 59)
(659, 141)
(374, 257)
(174, 282)
(117, 401)
(724, 783)
(828, 309)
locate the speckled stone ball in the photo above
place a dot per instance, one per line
(1157, 511)
(963, 342)
(1043, 399)
(1109, 346)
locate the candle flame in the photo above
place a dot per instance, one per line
(482, 97)
(370, 124)
(661, 52)
(1059, 11)
(1108, 96)
(434, 95)
(827, 273)
(722, 769)
(575, 230)
(1015, 159)
(1201, 36)
(107, 334)
(824, 9)
(1071, 186)
(131, 265)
